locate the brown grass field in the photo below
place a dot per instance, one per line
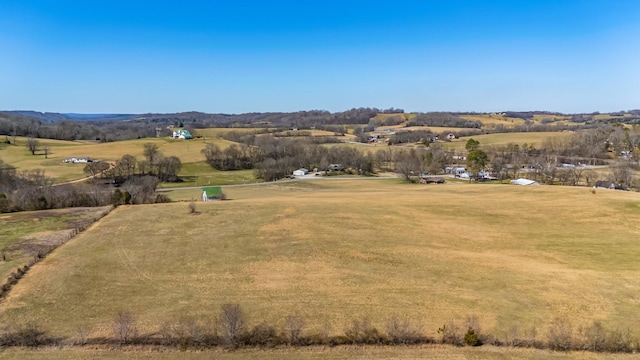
(24, 234)
(531, 138)
(21, 158)
(333, 251)
(436, 352)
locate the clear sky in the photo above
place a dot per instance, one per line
(128, 56)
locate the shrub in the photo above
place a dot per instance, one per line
(192, 208)
(471, 338)
(293, 326)
(402, 331)
(560, 336)
(263, 335)
(450, 334)
(362, 332)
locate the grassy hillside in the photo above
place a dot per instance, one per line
(334, 251)
(531, 138)
(24, 234)
(187, 150)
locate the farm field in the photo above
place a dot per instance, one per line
(335, 251)
(21, 158)
(531, 138)
(24, 234)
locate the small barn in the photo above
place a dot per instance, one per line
(211, 193)
(300, 172)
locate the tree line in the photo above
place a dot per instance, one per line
(273, 158)
(230, 329)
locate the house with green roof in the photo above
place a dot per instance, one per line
(211, 193)
(182, 134)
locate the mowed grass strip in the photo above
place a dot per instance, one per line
(435, 352)
(335, 251)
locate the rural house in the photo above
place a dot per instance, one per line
(182, 134)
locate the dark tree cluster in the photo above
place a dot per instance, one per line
(274, 158)
(421, 136)
(443, 119)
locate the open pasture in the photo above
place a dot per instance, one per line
(530, 138)
(333, 251)
(19, 156)
(24, 234)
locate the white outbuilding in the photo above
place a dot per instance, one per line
(300, 172)
(523, 181)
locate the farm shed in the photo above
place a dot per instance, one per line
(300, 172)
(211, 193)
(523, 181)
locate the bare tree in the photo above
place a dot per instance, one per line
(590, 176)
(124, 326)
(150, 152)
(33, 145)
(95, 168)
(47, 150)
(232, 323)
(402, 331)
(293, 326)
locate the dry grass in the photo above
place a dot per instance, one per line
(24, 234)
(187, 150)
(342, 352)
(333, 251)
(531, 138)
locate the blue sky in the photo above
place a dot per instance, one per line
(257, 56)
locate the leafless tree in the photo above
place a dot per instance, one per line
(124, 326)
(402, 331)
(293, 326)
(232, 323)
(622, 173)
(560, 336)
(150, 152)
(47, 150)
(33, 145)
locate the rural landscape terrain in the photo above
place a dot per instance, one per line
(368, 233)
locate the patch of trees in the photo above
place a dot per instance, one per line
(417, 136)
(274, 158)
(154, 164)
(18, 125)
(443, 119)
(32, 190)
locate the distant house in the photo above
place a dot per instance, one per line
(604, 184)
(182, 134)
(74, 160)
(523, 181)
(335, 167)
(300, 172)
(211, 193)
(451, 136)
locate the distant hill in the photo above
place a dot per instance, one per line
(51, 118)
